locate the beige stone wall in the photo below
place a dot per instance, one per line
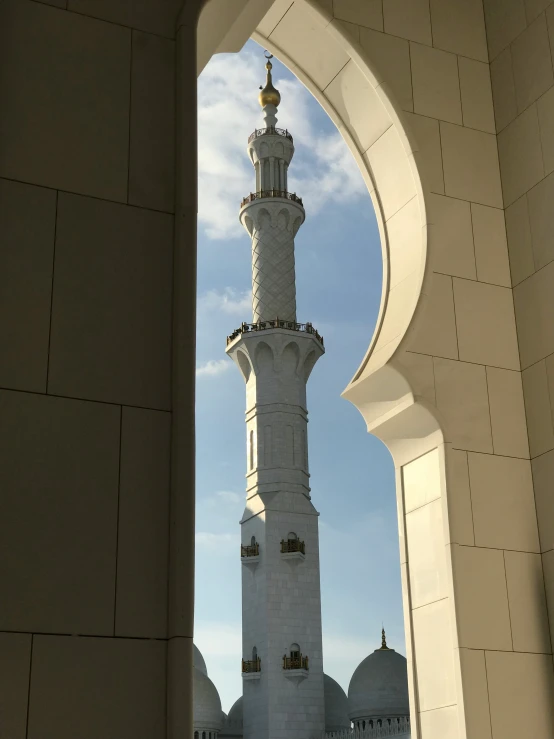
(97, 322)
(521, 42)
(442, 377)
(87, 247)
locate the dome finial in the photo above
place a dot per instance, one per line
(383, 639)
(269, 95)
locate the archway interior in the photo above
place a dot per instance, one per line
(339, 268)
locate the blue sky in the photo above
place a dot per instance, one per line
(339, 274)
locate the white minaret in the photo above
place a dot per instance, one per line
(283, 692)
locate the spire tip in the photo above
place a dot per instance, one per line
(269, 95)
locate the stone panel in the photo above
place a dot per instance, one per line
(460, 514)
(421, 481)
(475, 88)
(409, 19)
(526, 596)
(391, 56)
(520, 246)
(532, 64)
(520, 693)
(429, 154)
(368, 13)
(476, 698)
(462, 399)
(537, 406)
(485, 324)
(426, 554)
(470, 165)
(503, 483)
(302, 33)
(147, 15)
(95, 688)
(14, 684)
(436, 83)
(541, 219)
(519, 150)
(482, 611)
(451, 236)
(111, 315)
(509, 426)
(27, 218)
(81, 98)
(534, 307)
(503, 89)
(151, 152)
(358, 104)
(545, 106)
(58, 527)
(458, 26)
(434, 655)
(391, 167)
(441, 723)
(436, 333)
(142, 556)
(543, 477)
(505, 20)
(491, 248)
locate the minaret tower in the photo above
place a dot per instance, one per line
(283, 696)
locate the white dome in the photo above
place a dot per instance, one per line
(233, 725)
(198, 660)
(206, 702)
(379, 686)
(336, 706)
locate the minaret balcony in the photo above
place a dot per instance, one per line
(251, 669)
(250, 550)
(269, 131)
(295, 663)
(250, 555)
(295, 669)
(293, 550)
(266, 325)
(289, 546)
(271, 194)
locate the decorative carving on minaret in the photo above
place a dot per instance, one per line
(272, 215)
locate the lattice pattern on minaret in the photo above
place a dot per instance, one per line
(273, 276)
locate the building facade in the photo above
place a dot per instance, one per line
(447, 108)
(376, 706)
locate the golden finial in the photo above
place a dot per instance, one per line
(383, 639)
(269, 95)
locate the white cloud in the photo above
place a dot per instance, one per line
(213, 367)
(229, 301)
(213, 542)
(218, 639)
(229, 497)
(323, 169)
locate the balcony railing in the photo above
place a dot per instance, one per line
(251, 550)
(271, 194)
(295, 663)
(252, 665)
(271, 130)
(292, 545)
(277, 323)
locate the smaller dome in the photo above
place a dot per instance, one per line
(233, 725)
(198, 660)
(336, 706)
(206, 703)
(379, 686)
